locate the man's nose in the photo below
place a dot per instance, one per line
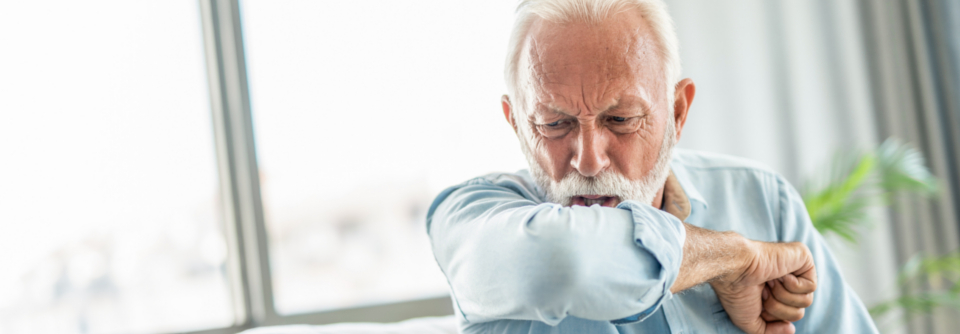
(591, 153)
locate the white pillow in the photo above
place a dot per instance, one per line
(428, 325)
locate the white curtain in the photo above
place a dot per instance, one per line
(785, 83)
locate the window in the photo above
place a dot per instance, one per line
(108, 181)
(133, 200)
(363, 112)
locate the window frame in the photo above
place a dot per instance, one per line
(248, 263)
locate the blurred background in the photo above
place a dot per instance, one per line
(208, 166)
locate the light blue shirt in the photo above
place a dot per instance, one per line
(519, 264)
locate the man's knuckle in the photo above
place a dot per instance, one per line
(796, 316)
(783, 295)
(770, 305)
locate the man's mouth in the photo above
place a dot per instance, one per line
(589, 200)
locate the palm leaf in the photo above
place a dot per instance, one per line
(917, 303)
(839, 205)
(902, 168)
(860, 180)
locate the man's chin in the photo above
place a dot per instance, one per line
(591, 200)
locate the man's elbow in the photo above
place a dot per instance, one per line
(554, 278)
(545, 274)
(551, 284)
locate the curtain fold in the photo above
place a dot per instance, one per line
(790, 83)
(912, 52)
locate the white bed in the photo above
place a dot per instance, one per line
(428, 325)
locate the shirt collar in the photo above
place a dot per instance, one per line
(680, 189)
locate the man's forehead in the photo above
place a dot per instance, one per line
(595, 63)
(557, 52)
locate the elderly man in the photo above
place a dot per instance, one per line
(578, 245)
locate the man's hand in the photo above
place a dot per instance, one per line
(739, 270)
(772, 288)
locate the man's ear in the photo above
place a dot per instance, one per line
(683, 97)
(508, 111)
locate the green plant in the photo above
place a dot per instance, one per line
(856, 181)
(935, 270)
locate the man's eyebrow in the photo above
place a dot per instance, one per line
(631, 104)
(639, 103)
(542, 108)
(561, 111)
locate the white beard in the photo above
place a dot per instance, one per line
(607, 183)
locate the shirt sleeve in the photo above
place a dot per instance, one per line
(836, 307)
(506, 256)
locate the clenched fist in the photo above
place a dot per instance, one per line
(773, 286)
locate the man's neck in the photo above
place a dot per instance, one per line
(658, 200)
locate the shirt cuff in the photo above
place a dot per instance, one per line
(662, 235)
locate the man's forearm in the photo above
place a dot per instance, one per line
(737, 269)
(708, 255)
(508, 259)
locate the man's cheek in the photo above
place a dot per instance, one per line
(556, 157)
(631, 155)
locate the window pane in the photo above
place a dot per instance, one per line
(363, 112)
(108, 185)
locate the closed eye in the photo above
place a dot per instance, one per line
(623, 125)
(556, 129)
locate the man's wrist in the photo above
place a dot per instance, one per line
(710, 256)
(742, 255)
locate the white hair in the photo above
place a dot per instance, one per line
(654, 12)
(594, 11)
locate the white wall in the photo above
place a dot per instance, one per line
(785, 83)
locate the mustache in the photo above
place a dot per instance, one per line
(606, 183)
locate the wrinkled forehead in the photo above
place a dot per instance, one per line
(619, 51)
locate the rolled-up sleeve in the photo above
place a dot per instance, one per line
(836, 308)
(508, 256)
